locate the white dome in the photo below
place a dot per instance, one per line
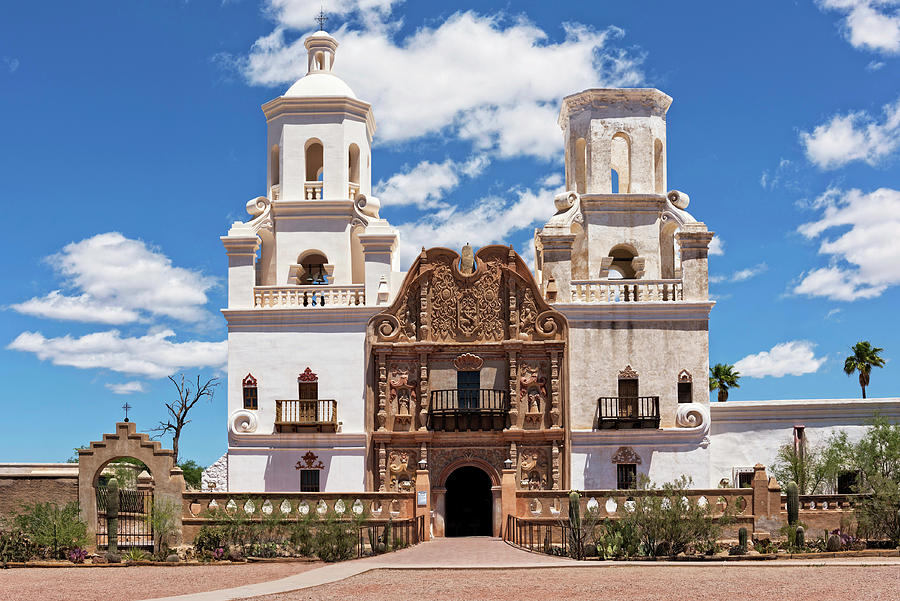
(320, 84)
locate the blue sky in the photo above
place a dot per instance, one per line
(132, 137)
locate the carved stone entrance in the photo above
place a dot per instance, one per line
(469, 503)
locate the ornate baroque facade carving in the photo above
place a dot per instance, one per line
(626, 455)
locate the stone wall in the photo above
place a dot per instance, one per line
(16, 489)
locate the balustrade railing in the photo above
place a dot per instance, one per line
(293, 413)
(309, 296)
(616, 291)
(628, 412)
(312, 190)
(461, 409)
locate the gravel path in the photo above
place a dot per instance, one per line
(135, 583)
(662, 583)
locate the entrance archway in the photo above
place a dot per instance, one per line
(469, 503)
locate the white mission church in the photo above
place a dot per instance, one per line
(347, 371)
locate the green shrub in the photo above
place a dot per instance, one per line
(163, 518)
(617, 539)
(209, 538)
(335, 539)
(55, 529)
(15, 546)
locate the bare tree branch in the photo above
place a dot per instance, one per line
(179, 408)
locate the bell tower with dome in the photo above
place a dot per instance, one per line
(309, 268)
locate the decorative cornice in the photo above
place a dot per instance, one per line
(622, 203)
(338, 106)
(626, 455)
(292, 442)
(685, 376)
(292, 319)
(809, 410)
(309, 461)
(637, 311)
(616, 102)
(249, 381)
(628, 374)
(691, 438)
(307, 376)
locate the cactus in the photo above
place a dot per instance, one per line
(112, 516)
(575, 525)
(742, 538)
(793, 503)
(833, 544)
(800, 538)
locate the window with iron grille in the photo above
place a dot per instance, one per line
(467, 385)
(309, 480)
(684, 392)
(745, 480)
(626, 475)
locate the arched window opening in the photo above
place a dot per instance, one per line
(580, 165)
(622, 263)
(312, 270)
(614, 181)
(667, 255)
(354, 164)
(320, 61)
(620, 162)
(275, 166)
(315, 173)
(658, 168)
(251, 396)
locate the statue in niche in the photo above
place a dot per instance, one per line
(402, 478)
(534, 400)
(467, 261)
(403, 391)
(533, 391)
(534, 470)
(403, 401)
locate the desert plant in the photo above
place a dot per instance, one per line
(300, 535)
(134, 554)
(722, 377)
(335, 539)
(575, 542)
(209, 538)
(16, 546)
(793, 503)
(834, 543)
(76, 555)
(742, 538)
(163, 518)
(55, 528)
(800, 537)
(617, 539)
(864, 358)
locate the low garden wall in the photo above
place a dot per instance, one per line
(24, 483)
(198, 508)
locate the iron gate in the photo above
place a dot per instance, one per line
(134, 528)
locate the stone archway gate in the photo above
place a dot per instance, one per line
(168, 481)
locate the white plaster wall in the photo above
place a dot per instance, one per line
(640, 230)
(656, 350)
(592, 467)
(295, 236)
(253, 469)
(746, 433)
(336, 353)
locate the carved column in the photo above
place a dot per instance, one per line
(555, 412)
(513, 391)
(382, 467)
(382, 390)
(423, 391)
(424, 324)
(513, 310)
(556, 465)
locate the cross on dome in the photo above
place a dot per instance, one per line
(321, 19)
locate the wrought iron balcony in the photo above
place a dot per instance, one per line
(627, 412)
(454, 409)
(306, 416)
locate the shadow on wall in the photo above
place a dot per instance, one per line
(284, 470)
(605, 468)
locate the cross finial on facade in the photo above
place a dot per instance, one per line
(321, 18)
(126, 407)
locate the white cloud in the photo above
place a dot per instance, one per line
(12, 64)
(874, 66)
(869, 24)
(854, 136)
(491, 80)
(426, 184)
(717, 246)
(490, 220)
(740, 275)
(793, 358)
(154, 355)
(118, 279)
(126, 387)
(865, 259)
(84, 308)
(299, 14)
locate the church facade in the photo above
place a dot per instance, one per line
(346, 373)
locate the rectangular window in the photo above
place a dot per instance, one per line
(309, 391)
(251, 398)
(745, 480)
(684, 392)
(626, 475)
(846, 483)
(628, 397)
(468, 384)
(309, 480)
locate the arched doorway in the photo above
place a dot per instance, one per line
(469, 503)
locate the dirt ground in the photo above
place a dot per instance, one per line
(134, 583)
(683, 583)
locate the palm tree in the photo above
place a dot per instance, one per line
(722, 377)
(864, 358)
